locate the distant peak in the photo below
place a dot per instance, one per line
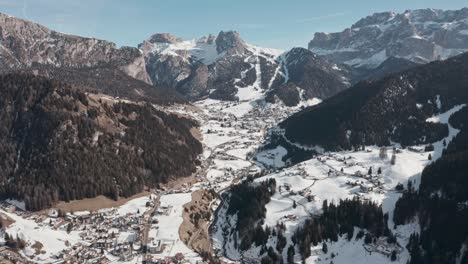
(210, 39)
(230, 42)
(164, 38)
(376, 18)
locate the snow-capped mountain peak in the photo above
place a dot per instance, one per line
(421, 35)
(206, 49)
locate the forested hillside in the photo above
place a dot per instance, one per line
(59, 143)
(393, 109)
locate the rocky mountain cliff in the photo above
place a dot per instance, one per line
(419, 35)
(24, 43)
(225, 66)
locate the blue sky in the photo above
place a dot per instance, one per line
(268, 23)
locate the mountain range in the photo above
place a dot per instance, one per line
(82, 117)
(421, 36)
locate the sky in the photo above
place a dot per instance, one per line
(267, 23)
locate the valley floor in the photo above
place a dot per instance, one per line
(148, 227)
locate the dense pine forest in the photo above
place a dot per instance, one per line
(59, 143)
(106, 79)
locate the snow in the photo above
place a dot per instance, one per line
(443, 118)
(273, 157)
(438, 103)
(264, 52)
(204, 51)
(52, 240)
(350, 252)
(321, 179)
(168, 226)
(320, 51)
(231, 164)
(252, 92)
(133, 206)
(201, 50)
(373, 61)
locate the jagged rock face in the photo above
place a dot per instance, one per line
(220, 67)
(24, 43)
(419, 35)
(230, 43)
(210, 66)
(164, 38)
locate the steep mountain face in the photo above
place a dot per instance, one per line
(225, 67)
(419, 35)
(23, 44)
(315, 76)
(59, 143)
(397, 108)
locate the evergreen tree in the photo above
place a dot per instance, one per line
(291, 254)
(324, 248)
(393, 159)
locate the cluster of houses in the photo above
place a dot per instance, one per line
(177, 258)
(105, 235)
(369, 182)
(80, 253)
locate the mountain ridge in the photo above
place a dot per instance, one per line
(420, 35)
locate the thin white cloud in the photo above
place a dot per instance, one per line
(317, 18)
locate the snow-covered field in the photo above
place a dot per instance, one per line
(167, 230)
(53, 241)
(335, 176)
(369, 174)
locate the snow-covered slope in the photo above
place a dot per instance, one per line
(332, 177)
(419, 35)
(419, 113)
(226, 67)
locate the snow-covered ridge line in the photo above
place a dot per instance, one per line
(204, 49)
(421, 35)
